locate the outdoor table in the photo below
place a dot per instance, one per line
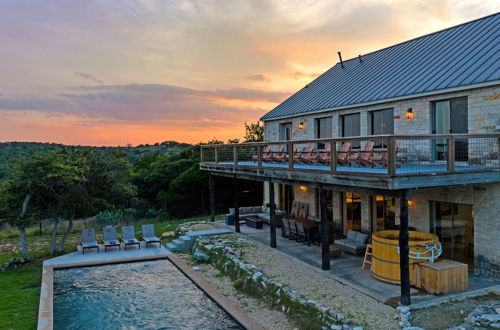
(309, 227)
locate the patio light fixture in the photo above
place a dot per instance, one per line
(301, 125)
(410, 114)
(410, 203)
(303, 188)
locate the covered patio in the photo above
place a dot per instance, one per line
(346, 268)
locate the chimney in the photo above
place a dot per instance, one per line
(341, 62)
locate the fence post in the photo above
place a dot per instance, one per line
(451, 153)
(259, 156)
(216, 157)
(391, 156)
(290, 155)
(235, 155)
(333, 156)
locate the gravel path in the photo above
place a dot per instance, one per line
(317, 285)
(259, 310)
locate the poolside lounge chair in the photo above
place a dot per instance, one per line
(128, 236)
(109, 238)
(343, 154)
(88, 239)
(362, 157)
(148, 235)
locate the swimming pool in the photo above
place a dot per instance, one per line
(147, 295)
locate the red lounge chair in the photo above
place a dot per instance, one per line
(309, 156)
(324, 156)
(364, 156)
(383, 158)
(343, 154)
(266, 155)
(281, 155)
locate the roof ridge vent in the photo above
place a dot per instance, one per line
(341, 62)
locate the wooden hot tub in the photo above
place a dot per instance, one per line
(385, 245)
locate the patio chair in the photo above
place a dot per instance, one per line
(324, 156)
(363, 156)
(303, 211)
(293, 229)
(281, 155)
(297, 155)
(383, 158)
(286, 228)
(301, 232)
(266, 155)
(148, 235)
(88, 240)
(294, 213)
(343, 154)
(309, 156)
(109, 238)
(128, 236)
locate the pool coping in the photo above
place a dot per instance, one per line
(46, 307)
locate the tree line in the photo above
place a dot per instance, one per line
(66, 183)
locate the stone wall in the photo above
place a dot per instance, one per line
(483, 112)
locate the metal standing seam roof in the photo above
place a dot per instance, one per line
(463, 55)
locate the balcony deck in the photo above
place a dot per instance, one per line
(418, 161)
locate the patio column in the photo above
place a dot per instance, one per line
(212, 196)
(236, 206)
(404, 250)
(272, 215)
(325, 244)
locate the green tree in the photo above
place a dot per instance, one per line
(254, 132)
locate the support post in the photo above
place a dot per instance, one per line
(272, 215)
(451, 153)
(391, 156)
(259, 156)
(333, 156)
(404, 251)
(235, 155)
(212, 196)
(325, 244)
(216, 155)
(290, 155)
(236, 207)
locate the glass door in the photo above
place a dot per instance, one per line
(450, 117)
(352, 212)
(454, 225)
(286, 197)
(384, 213)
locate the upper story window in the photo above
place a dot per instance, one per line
(323, 129)
(285, 131)
(350, 126)
(450, 116)
(381, 123)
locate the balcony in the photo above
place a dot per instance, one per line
(389, 162)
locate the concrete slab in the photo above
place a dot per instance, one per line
(91, 256)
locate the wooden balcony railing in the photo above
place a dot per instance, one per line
(382, 155)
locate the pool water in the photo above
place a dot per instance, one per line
(146, 295)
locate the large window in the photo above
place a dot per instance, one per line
(454, 225)
(384, 213)
(382, 122)
(352, 211)
(350, 126)
(323, 127)
(450, 117)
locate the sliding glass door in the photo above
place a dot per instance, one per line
(450, 117)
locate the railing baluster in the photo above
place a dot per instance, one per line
(290, 155)
(451, 153)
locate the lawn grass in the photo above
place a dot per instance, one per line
(20, 287)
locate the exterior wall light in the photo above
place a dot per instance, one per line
(303, 188)
(301, 125)
(410, 114)
(410, 203)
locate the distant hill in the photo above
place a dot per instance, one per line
(13, 150)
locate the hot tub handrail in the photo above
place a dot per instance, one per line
(434, 249)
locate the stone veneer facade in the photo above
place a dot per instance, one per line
(483, 116)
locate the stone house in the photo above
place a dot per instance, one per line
(433, 105)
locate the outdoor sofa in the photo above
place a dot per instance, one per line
(261, 212)
(355, 243)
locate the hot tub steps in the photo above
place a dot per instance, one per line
(185, 242)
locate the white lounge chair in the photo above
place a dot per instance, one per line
(148, 235)
(88, 239)
(128, 236)
(109, 238)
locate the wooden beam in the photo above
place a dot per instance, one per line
(272, 215)
(290, 155)
(236, 206)
(325, 244)
(212, 196)
(391, 156)
(451, 153)
(216, 155)
(404, 251)
(235, 155)
(333, 156)
(259, 156)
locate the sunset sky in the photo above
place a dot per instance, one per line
(117, 72)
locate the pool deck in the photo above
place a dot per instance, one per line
(347, 270)
(93, 258)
